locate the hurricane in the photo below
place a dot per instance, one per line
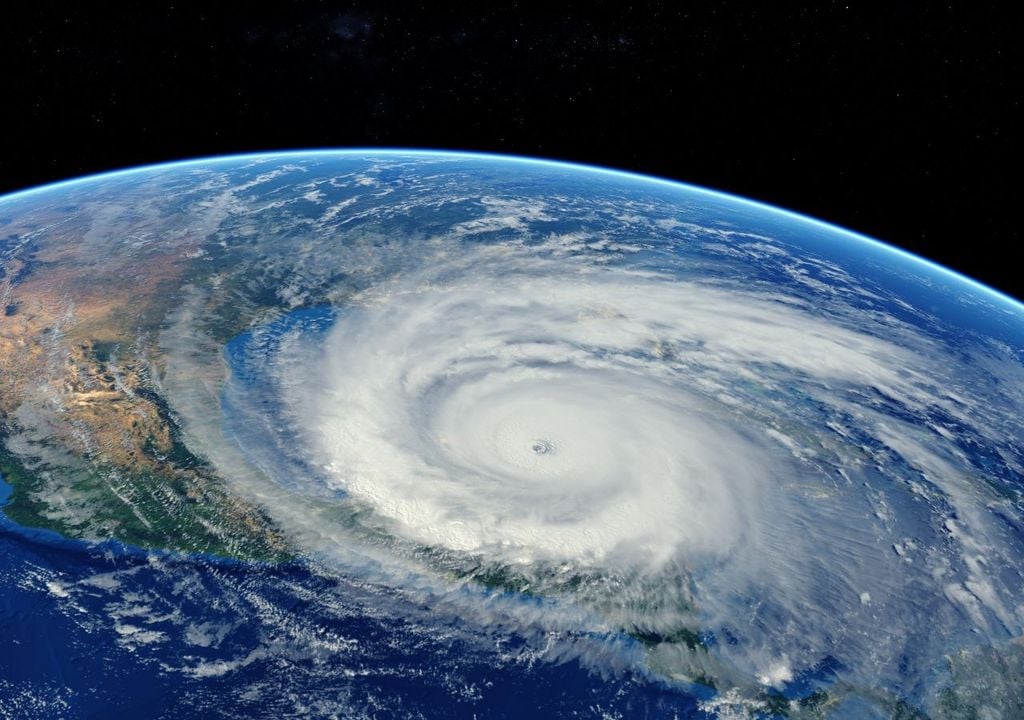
(625, 425)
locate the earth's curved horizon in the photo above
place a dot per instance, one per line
(556, 162)
(403, 432)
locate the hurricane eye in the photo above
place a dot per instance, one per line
(542, 447)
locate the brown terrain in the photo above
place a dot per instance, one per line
(77, 355)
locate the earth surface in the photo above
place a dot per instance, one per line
(413, 434)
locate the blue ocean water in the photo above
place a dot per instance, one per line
(47, 652)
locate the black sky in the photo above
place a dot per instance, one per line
(901, 121)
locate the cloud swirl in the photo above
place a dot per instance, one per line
(734, 450)
(659, 449)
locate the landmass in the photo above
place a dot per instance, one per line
(87, 442)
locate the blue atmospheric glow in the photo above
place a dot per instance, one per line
(941, 271)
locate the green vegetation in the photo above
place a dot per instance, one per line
(682, 635)
(171, 509)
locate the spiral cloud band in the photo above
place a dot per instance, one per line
(692, 443)
(713, 442)
(562, 420)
